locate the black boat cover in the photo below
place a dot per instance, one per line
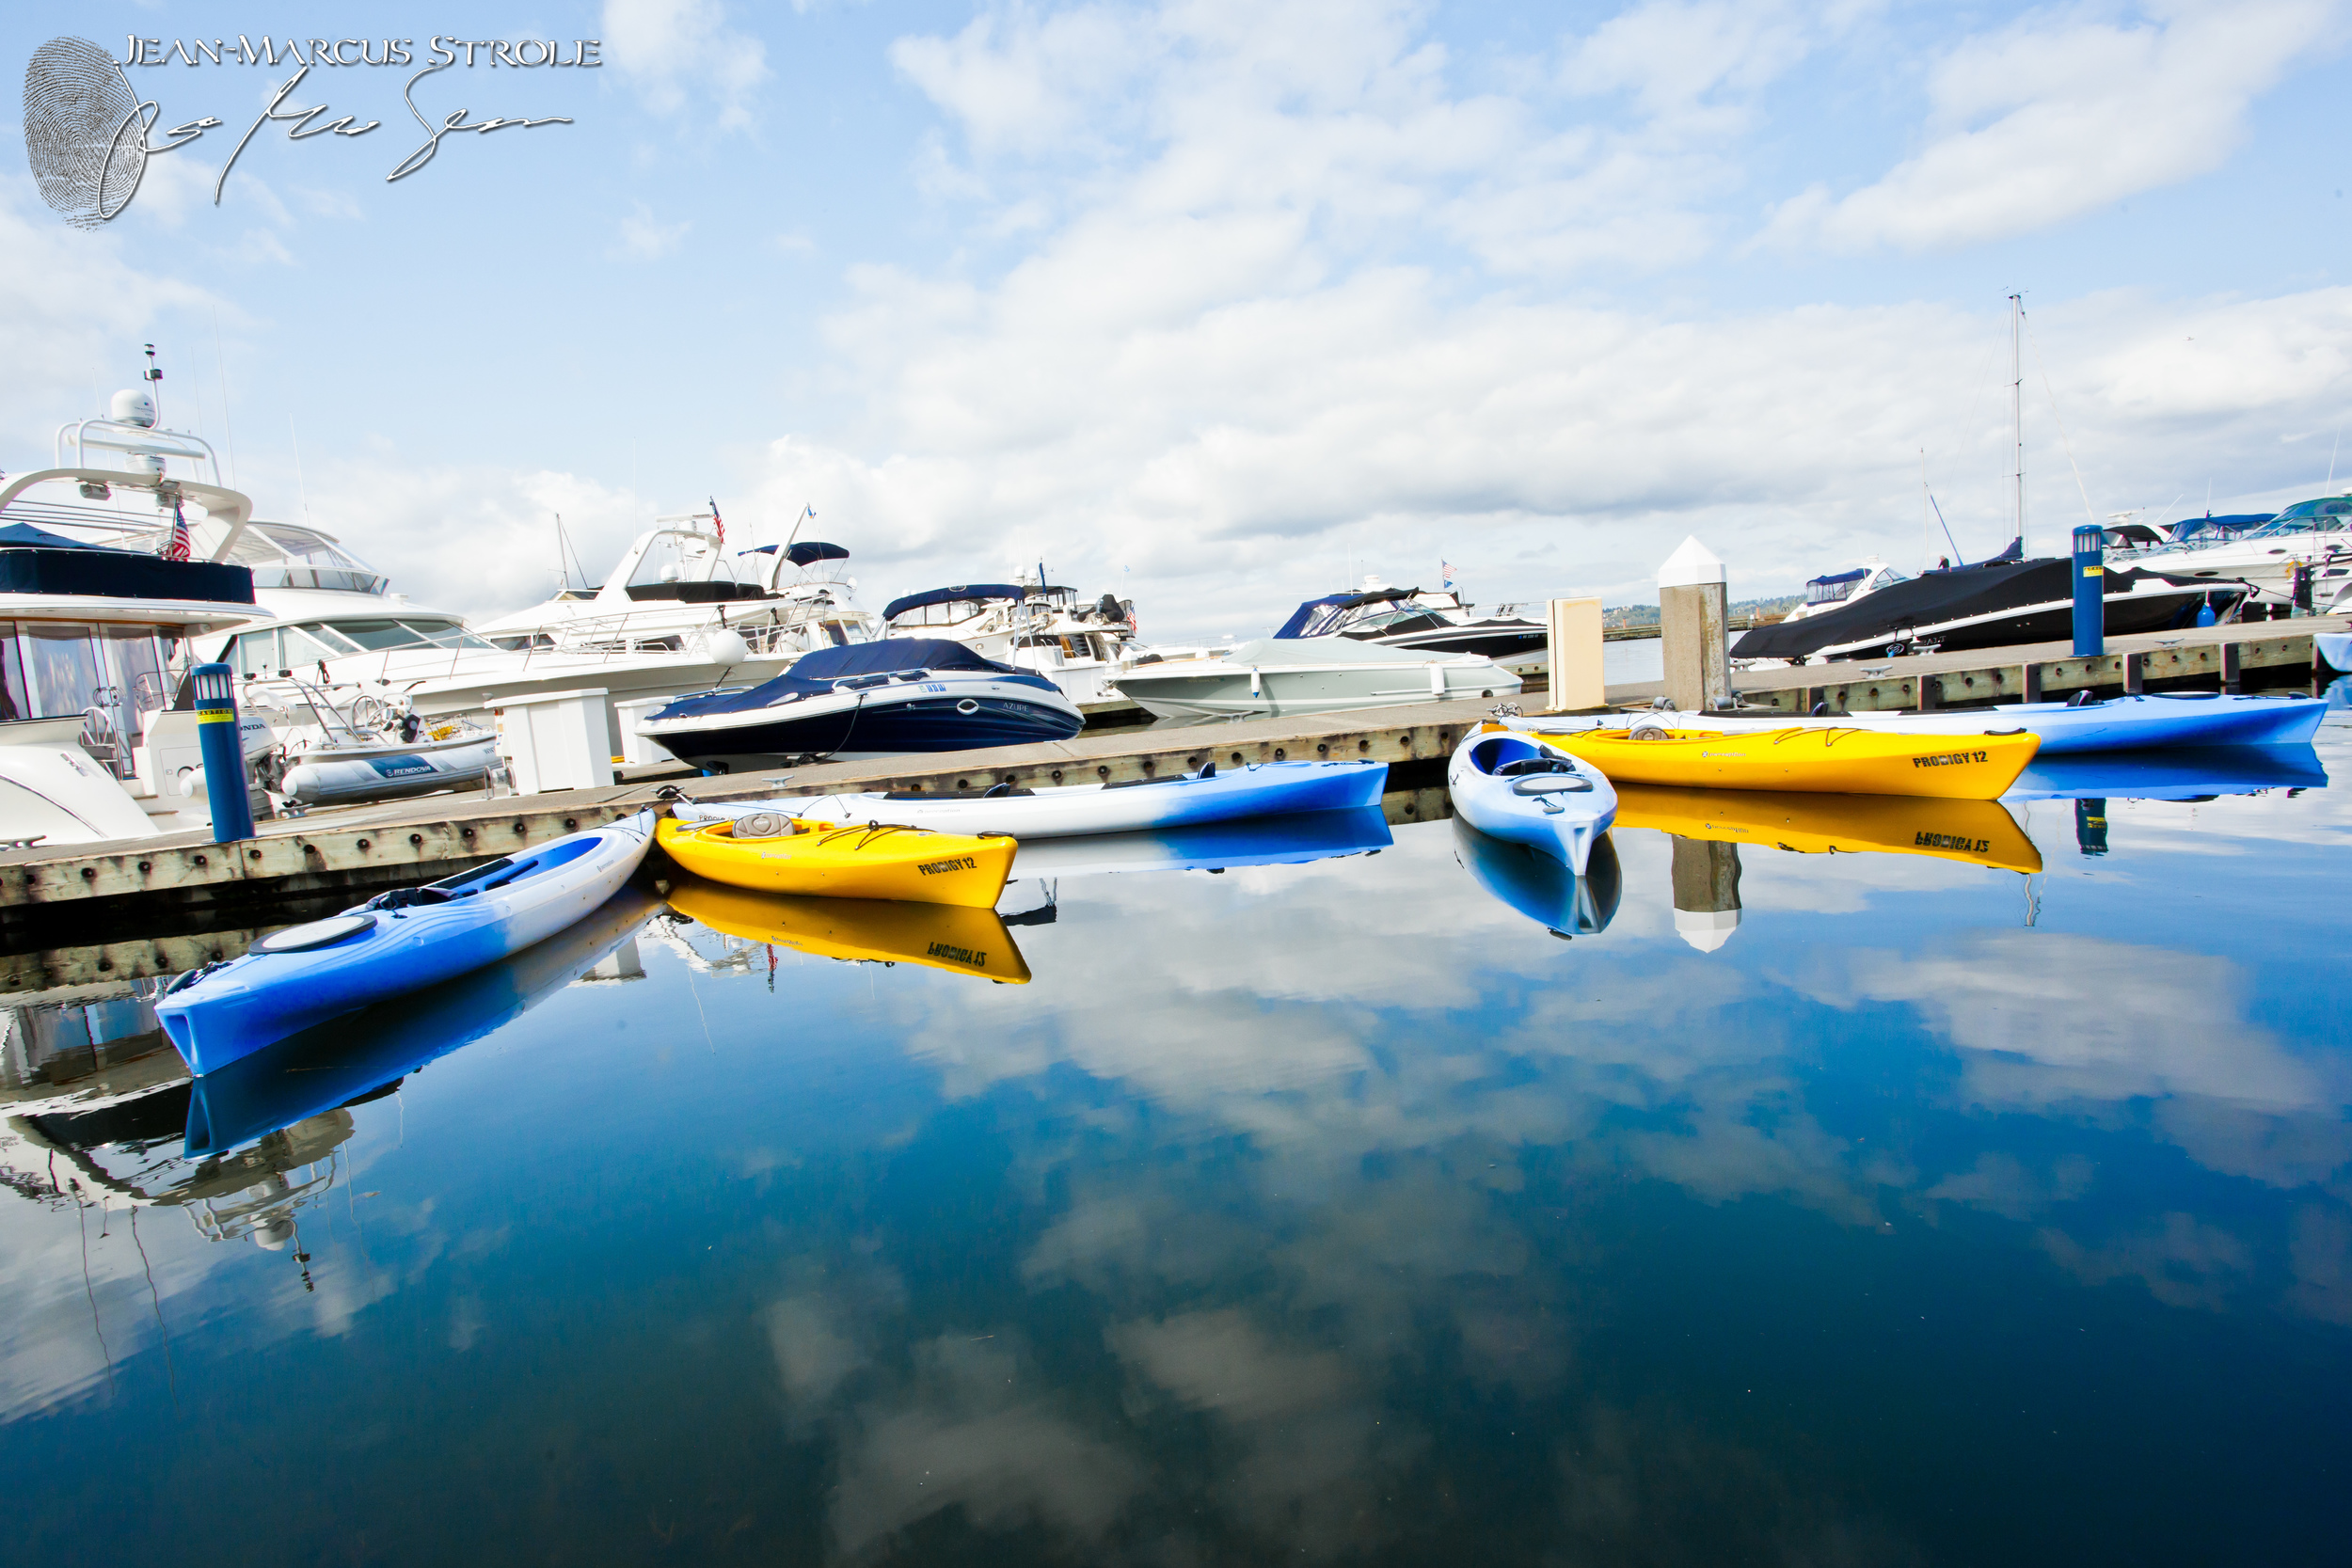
(1932, 599)
(815, 673)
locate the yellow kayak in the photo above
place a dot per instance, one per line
(1974, 832)
(837, 860)
(938, 936)
(1812, 761)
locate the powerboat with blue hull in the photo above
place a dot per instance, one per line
(868, 700)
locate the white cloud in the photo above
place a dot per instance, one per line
(2059, 113)
(681, 54)
(644, 238)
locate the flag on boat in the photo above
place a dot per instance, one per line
(177, 543)
(717, 522)
(1445, 571)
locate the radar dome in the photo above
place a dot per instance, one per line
(132, 406)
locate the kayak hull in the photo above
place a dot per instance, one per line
(962, 941)
(1574, 809)
(856, 860)
(1809, 761)
(1532, 882)
(1258, 789)
(218, 1016)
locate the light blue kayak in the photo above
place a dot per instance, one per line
(1062, 811)
(1513, 788)
(395, 944)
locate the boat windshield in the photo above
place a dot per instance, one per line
(414, 631)
(283, 555)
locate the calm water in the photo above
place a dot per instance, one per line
(1931, 1212)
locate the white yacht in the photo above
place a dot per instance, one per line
(2311, 540)
(1082, 646)
(1267, 676)
(321, 612)
(1432, 621)
(678, 583)
(96, 741)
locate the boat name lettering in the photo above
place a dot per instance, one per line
(961, 862)
(959, 955)
(396, 767)
(1959, 842)
(1948, 759)
(933, 685)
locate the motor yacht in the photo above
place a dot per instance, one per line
(677, 581)
(1268, 675)
(318, 610)
(1423, 619)
(2302, 555)
(1080, 646)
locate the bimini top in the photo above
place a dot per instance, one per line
(815, 673)
(1831, 579)
(976, 592)
(1296, 625)
(25, 536)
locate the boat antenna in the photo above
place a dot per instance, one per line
(229, 428)
(154, 379)
(2331, 451)
(807, 513)
(2017, 405)
(2065, 440)
(1958, 559)
(301, 485)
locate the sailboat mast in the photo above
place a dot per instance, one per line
(2017, 407)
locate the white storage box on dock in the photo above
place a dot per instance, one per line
(555, 740)
(636, 749)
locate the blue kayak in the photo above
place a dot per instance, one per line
(1534, 881)
(395, 944)
(1515, 787)
(2127, 723)
(1060, 811)
(352, 1057)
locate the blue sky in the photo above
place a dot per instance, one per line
(1213, 304)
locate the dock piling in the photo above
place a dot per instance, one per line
(222, 742)
(1693, 612)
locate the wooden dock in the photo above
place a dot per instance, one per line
(156, 892)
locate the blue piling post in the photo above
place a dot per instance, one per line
(217, 732)
(2090, 584)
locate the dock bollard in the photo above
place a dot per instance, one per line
(218, 733)
(1693, 629)
(2090, 591)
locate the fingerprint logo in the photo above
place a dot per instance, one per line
(84, 132)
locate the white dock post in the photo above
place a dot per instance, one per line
(1572, 647)
(1694, 615)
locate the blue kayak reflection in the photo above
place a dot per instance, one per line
(354, 1057)
(1287, 840)
(2182, 773)
(1542, 887)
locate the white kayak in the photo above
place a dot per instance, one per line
(1065, 811)
(1516, 788)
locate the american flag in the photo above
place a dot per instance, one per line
(176, 547)
(716, 521)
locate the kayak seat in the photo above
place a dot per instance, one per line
(1534, 765)
(408, 897)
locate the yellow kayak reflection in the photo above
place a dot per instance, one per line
(1976, 832)
(959, 940)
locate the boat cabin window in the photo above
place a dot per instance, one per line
(115, 674)
(943, 615)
